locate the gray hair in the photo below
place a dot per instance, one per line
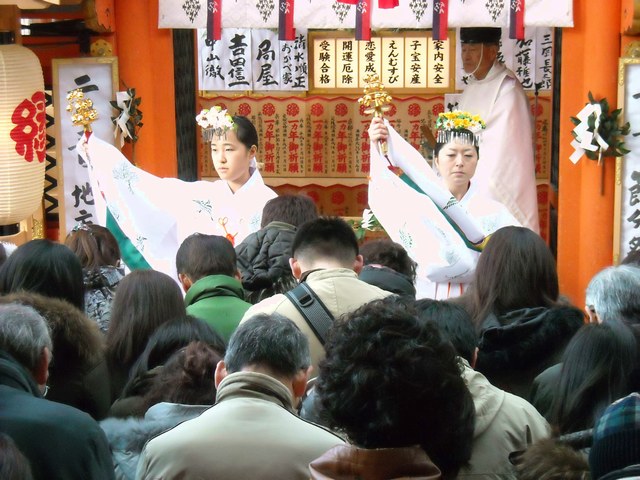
(614, 294)
(23, 334)
(271, 341)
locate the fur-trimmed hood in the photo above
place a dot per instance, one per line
(127, 437)
(76, 339)
(525, 342)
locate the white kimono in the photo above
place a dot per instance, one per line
(154, 215)
(446, 263)
(506, 170)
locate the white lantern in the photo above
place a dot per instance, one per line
(22, 133)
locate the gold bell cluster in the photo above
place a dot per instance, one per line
(81, 109)
(375, 97)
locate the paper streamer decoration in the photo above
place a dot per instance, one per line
(584, 137)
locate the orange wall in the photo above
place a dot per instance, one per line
(145, 59)
(590, 54)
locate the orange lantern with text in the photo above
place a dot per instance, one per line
(22, 134)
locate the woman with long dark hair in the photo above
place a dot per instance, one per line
(145, 299)
(595, 371)
(516, 306)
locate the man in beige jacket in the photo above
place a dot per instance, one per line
(253, 430)
(325, 255)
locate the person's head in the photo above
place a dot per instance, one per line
(612, 295)
(391, 255)
(25, 335)
(202, 255)
(44, 267)
(234, 143)
(272, 345)
(94, 245)
(170, 337)
(187, 377)
(516, 270)
(292, 209)
(144, 300)
(13, 464)
(596, 366)
(616, 438)
(479, 50)
(456, 151)
(326, 242)
(390, 381)
(454, 323)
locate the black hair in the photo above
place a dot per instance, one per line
(465, 132)
(390, 381)
(201, 255)
(596, 366)
(167, 339)
(144, 300)
(271, 341)
(44, 267)
(516, 270)
(391, 255)
(326, 237)
(187, 378)
(454, 323)
(245, 131)
(292, 209)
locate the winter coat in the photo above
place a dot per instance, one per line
(127, 437)
(339, 289)
(100, 287)
(251, 432)
(219, 301)
(78, 375)
(60, 442)
(517, 346)
(347, 462)
(389, 280)
(505, 424)
(263, 256)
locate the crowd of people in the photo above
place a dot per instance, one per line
(271, 344)
(507, 381)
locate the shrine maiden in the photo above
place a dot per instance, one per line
(438, 216)
(150, 216)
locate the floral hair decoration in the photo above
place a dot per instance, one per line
(459, 125)
(214, 121)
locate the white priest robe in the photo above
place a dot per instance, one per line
(157, 214)
(506, 170)
(446, 264)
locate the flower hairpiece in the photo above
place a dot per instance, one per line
(81, 226)
(458, 124)
(214, 121)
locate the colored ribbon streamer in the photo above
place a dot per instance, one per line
(440, 19)
(214, 19)
(285, 21)
(381, 3)
(584, 137)
(363, 20)
(516, 19)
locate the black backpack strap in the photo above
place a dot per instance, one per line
(315, 313)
